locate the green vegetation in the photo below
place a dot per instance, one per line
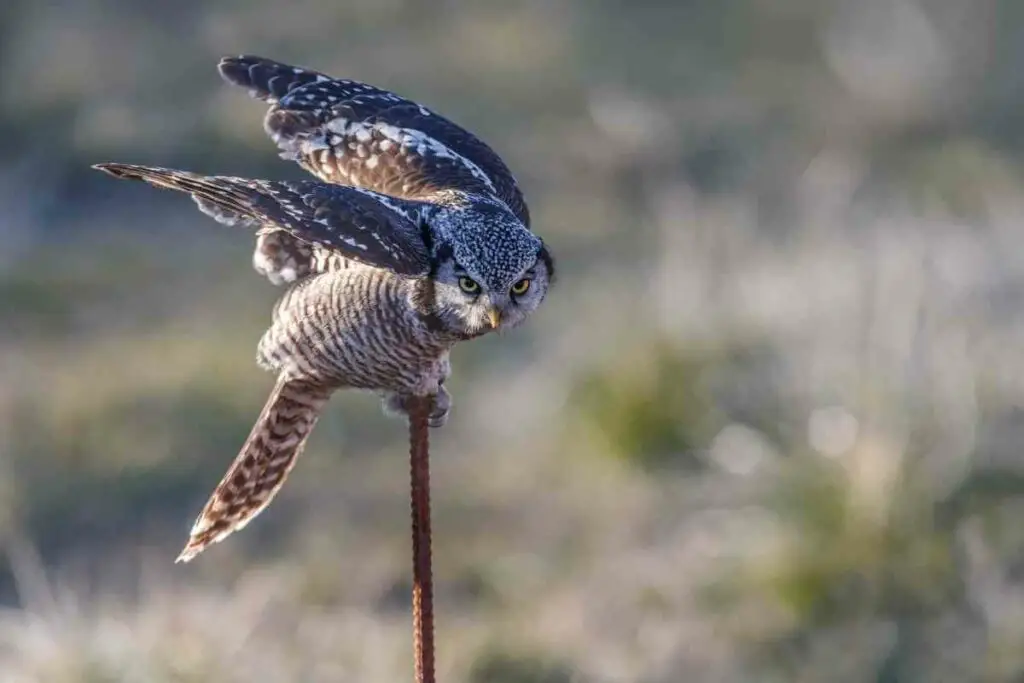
(767, 428)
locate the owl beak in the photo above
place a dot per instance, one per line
(494, 316)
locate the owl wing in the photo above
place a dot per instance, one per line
(361, 225)
(351, 133)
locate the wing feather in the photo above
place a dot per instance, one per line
(358, 224)
(351, 133)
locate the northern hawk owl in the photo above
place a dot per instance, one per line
(414, 237)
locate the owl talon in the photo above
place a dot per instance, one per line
(442, 406)
(397, 405)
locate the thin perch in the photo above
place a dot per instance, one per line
(422, 584)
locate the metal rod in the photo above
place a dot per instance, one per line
(422, 581)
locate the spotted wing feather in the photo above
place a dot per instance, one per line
(361, 225)
(351, 133)
(266, 80)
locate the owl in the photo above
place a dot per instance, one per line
(413, 236)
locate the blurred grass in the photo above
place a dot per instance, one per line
(767, 427)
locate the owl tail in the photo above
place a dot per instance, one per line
(259, 470)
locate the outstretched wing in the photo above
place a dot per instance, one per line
(351, 133)
(361, 225)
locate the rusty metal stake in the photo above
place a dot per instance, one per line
(422, 581)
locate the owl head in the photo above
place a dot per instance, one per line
(489, 272)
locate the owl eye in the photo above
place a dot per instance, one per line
(468, 285)
(521, 287)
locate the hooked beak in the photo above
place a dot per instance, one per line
(494, 316)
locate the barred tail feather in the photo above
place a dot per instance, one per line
(260, 469)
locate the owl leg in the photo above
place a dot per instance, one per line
(397, 405)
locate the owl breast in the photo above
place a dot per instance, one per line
(354, 328)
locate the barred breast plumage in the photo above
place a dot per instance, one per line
(355, 328)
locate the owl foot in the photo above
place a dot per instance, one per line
(397, 405)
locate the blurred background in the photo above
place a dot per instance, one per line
(768, 427)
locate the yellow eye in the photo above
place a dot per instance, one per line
(468, 285)
(521, 287)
